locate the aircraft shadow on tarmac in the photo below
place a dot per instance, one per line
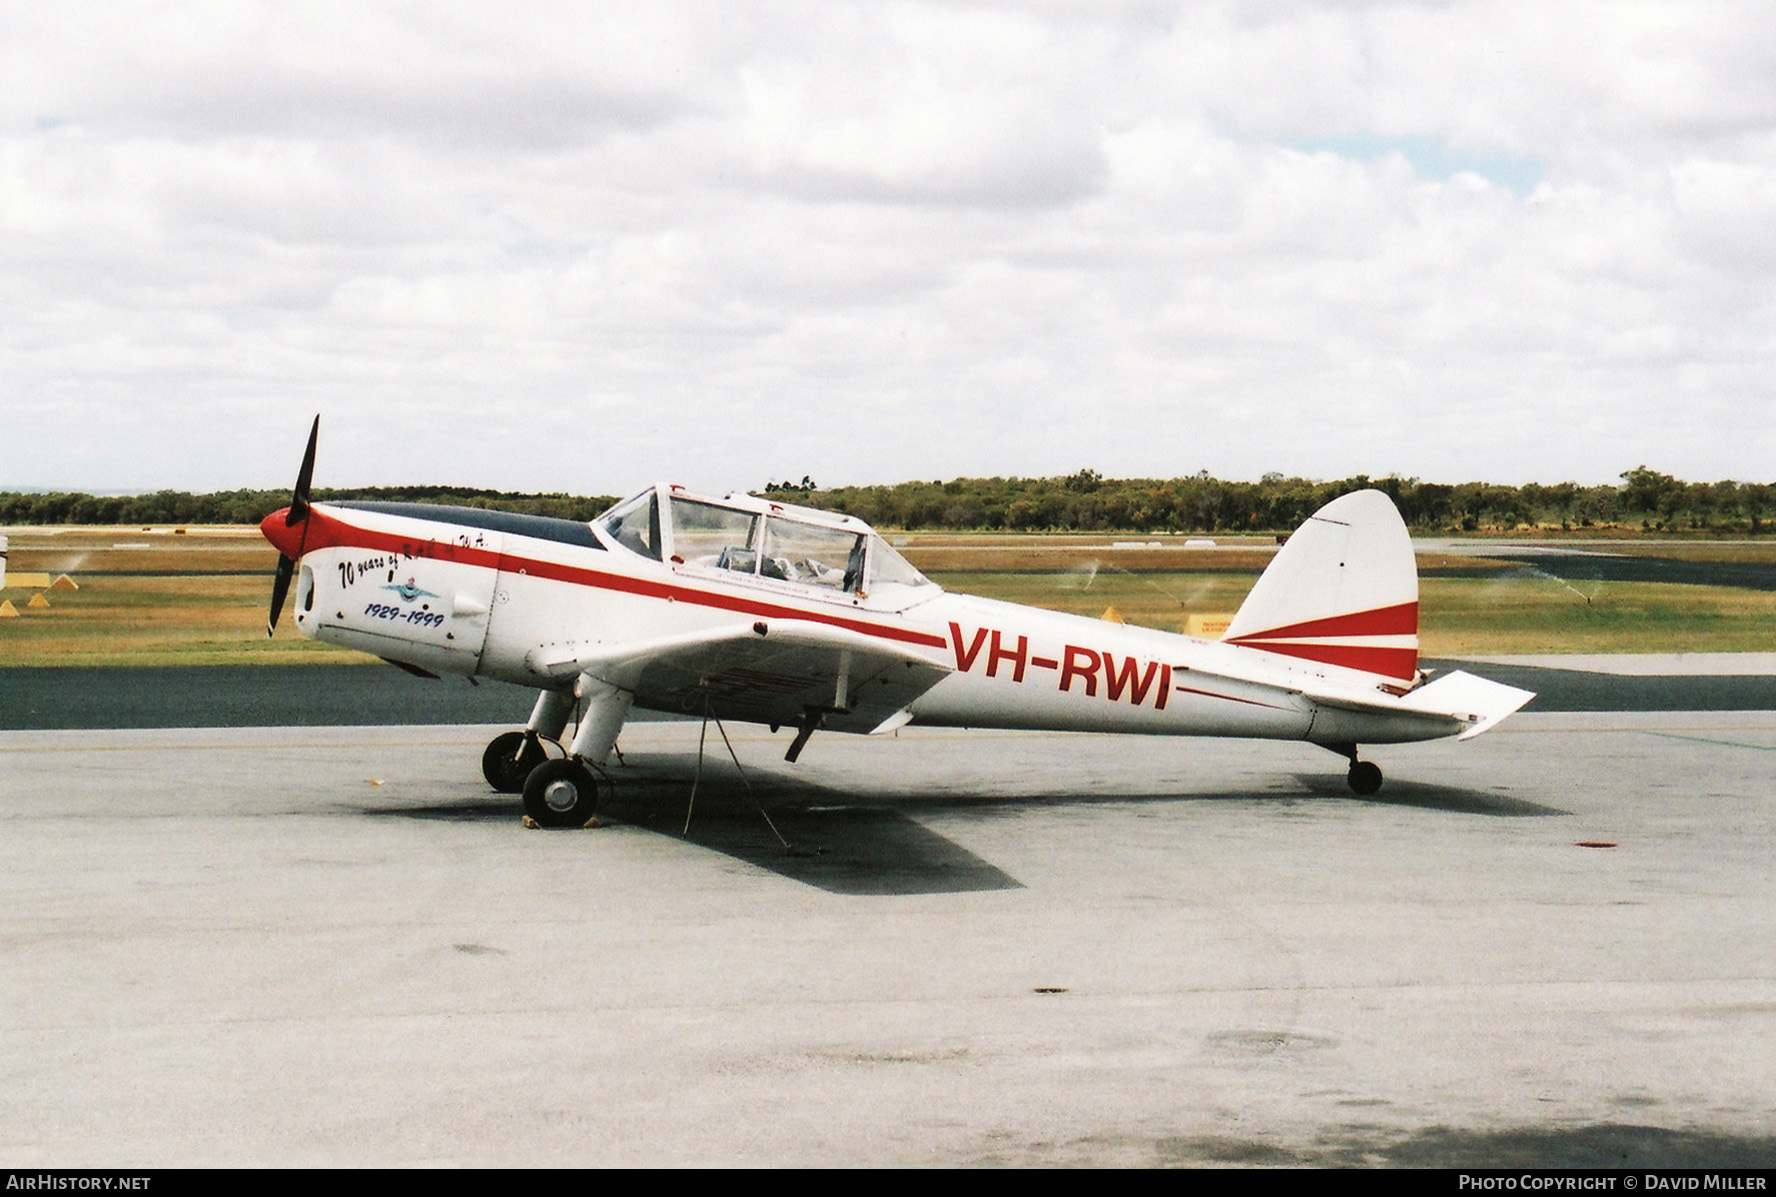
(846, 842)
(833, 842)
(1453, 799)
(843, 849)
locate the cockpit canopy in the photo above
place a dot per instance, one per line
(776, 545)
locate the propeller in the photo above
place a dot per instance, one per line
(296, 513)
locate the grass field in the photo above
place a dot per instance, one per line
(1505, 615)
(152, 597)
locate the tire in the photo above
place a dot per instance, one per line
(1364, 778)
(508, 761)
(562, 794)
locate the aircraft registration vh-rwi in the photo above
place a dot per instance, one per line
(740, 608)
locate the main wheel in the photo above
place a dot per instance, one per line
(1364, 777)
(509, 759)
(561, 793)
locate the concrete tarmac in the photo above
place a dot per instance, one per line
(334, 946)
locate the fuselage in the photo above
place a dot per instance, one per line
(496, 595)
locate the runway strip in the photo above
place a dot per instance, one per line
(248, 696)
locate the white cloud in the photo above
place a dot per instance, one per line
(583, 248)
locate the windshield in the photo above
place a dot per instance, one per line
(889, 568)
(636, 525)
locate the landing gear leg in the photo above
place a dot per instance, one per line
(567, 793)
(606, 710)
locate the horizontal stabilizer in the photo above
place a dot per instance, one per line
(1458, 701)
(1473, 700)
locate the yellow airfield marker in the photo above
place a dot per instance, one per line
(38, 601)
(7, 610)
(64, 583)
(1207, 627)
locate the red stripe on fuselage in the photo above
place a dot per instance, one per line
(1251, 702)
(326, 531)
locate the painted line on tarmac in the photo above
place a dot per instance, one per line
(1708, 740)
(225, 746)
(1538, 723)
(476, 738)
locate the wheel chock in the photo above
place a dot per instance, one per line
(531, 824)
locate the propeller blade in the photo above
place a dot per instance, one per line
(297, 514)
(299, 500)
(280, 587)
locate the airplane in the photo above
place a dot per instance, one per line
(739, 608)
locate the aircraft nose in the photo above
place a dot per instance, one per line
(284, 536)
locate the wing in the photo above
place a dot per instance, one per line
(763, 673)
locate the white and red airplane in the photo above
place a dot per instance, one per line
(745, 609)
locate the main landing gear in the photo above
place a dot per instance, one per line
(564, 793)
(560, 791)
(567, 791)
(557, 792)
(510, 758)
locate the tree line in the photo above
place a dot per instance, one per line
(1087, 502)
(251, 506)
(1083, 502)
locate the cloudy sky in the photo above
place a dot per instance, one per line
(586, 246)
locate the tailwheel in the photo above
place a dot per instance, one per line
(509, 760)
(1364, 777)
(563, 793)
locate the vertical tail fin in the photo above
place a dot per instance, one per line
(1343, 592)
